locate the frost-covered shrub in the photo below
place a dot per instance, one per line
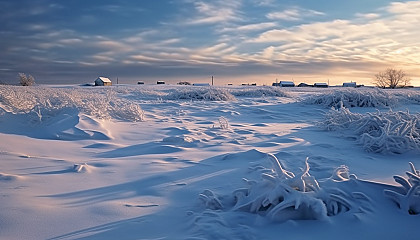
(259, 92)
(353, 98)
(395, 132)
(408, 198)
(281, 195)
(26, 80)
(202, 94)
(44, 102)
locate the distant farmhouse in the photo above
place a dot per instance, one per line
(304, 85)
(349, 84)
(103, 81)
(321, 85)
(284, 84)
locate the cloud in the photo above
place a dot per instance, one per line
(389, 37)
(265, 3)
(250, 27)
(218, 11)
(293, 14)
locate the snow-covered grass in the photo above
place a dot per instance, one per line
(408, 196)
(365, 97)
(381, 132)
(280, 195)
(200, 93)
(259, 92)
(101, 103)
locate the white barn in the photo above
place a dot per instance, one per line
(103, 81)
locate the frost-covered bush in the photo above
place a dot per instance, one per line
(266, 91)
(395, 132)
(44, 102)
(281, 195)
(202, 94)
(353, 98)
(408, 198)
(26, 80)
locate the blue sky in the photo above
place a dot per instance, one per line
(237, 41)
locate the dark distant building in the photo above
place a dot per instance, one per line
(304, 85)
(321, 85)
(160, 82)
(349, 84)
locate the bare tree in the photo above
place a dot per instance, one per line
(26, 80)
(391, 78)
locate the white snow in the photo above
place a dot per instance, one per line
(194, 162)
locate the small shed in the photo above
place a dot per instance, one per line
(349, 84)
(321, 85)
(103, 81)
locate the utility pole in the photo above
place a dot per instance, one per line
(212, 82)
(117, 80)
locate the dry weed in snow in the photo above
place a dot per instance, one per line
(381, 132)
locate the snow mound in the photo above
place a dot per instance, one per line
(408, 198)
(380, 132)
(202, 94)
(257, 92)
(8, 177)
(101, 103)
(353, 98)
(280, 195)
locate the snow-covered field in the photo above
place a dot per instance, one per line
(184, 162)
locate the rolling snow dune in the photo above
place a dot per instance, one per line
(185, 162)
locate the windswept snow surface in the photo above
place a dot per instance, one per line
(185, 162)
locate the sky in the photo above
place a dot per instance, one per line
(236, 41)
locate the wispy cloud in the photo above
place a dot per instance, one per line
(293, 14)
(250, 27)
(218, 11)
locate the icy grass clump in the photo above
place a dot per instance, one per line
(380, 132)
(353, 98)
(258, 92)
(408, 96)
(202, 94)
(408, 199)
(45, 102)
(224, 124)
(281, 195)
